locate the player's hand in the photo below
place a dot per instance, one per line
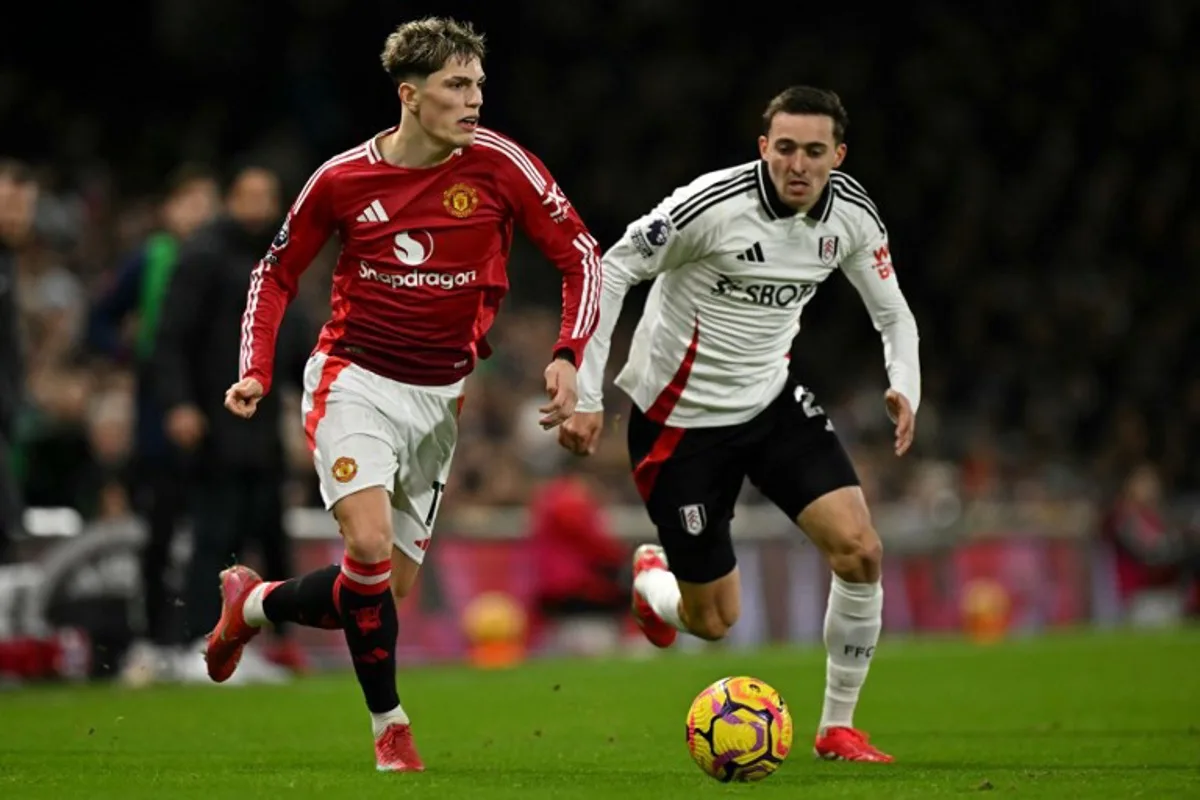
(560, 388)
(242, 398)
(185, 426)
(900, 411)
(581, 432)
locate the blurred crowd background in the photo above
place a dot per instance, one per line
(1035, 164)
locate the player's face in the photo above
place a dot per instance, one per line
(800, 152)
(449, 101)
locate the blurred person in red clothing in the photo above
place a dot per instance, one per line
(1150, 553)
(579, 566)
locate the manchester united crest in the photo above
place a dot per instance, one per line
(461, 200)
(344, 469)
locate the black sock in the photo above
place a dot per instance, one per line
(369, 622)
(307, 600)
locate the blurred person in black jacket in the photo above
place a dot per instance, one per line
(237, 468)
(27, 214)
(137, 293)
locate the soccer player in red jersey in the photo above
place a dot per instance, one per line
(425, 213)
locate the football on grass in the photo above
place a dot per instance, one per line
(739, 729)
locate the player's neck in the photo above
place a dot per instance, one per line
(410, 146)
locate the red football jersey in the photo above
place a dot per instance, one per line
(423, 262)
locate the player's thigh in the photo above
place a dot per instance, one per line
(431, 436)
(799, 457)
(355, 450)
(689, 482)
(803, 469)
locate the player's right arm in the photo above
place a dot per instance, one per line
(658, 242)
(274, 283)
(673, 234)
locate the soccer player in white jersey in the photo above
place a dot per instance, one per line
(734, 257)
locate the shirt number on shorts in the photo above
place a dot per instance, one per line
(808, 402)
(438, 488)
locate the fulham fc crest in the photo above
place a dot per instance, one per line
(827, 249)
(694, 519)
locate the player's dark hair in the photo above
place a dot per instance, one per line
(809, 100)
(419, 48)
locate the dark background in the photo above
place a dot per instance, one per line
(1034, 164)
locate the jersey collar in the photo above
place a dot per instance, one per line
(777, 209)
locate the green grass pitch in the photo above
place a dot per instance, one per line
(1107, 715)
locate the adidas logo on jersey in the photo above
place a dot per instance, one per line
(754, 254)
(373, 213)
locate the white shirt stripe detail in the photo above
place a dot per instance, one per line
(493, 141)
(345, 158)
(256, 278)
(589, 301)
(366, 580)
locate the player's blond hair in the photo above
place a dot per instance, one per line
(419, 48)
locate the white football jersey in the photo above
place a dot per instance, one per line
(733, 268)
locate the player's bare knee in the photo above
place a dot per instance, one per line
(366, 528)
(857, 555)
(368, 542)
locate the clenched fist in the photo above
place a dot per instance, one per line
(242, 398)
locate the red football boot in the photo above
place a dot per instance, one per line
(848, 744)
(659, 632)
(395, 750)
(229, 638)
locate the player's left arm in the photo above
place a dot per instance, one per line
(870, 270)
(547, 217)
(552, 223)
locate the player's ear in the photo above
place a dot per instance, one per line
(762, 146)
(410, 95)
(839, 155)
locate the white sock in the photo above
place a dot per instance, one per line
(662, 593)
(252, 607)
(380, 722)
(852, 623)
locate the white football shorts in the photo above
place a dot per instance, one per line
(366, 430)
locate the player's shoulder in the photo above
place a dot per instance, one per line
(716, 191)
(501, 149)
(852, 206)
(502, 156)
(362, 154)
